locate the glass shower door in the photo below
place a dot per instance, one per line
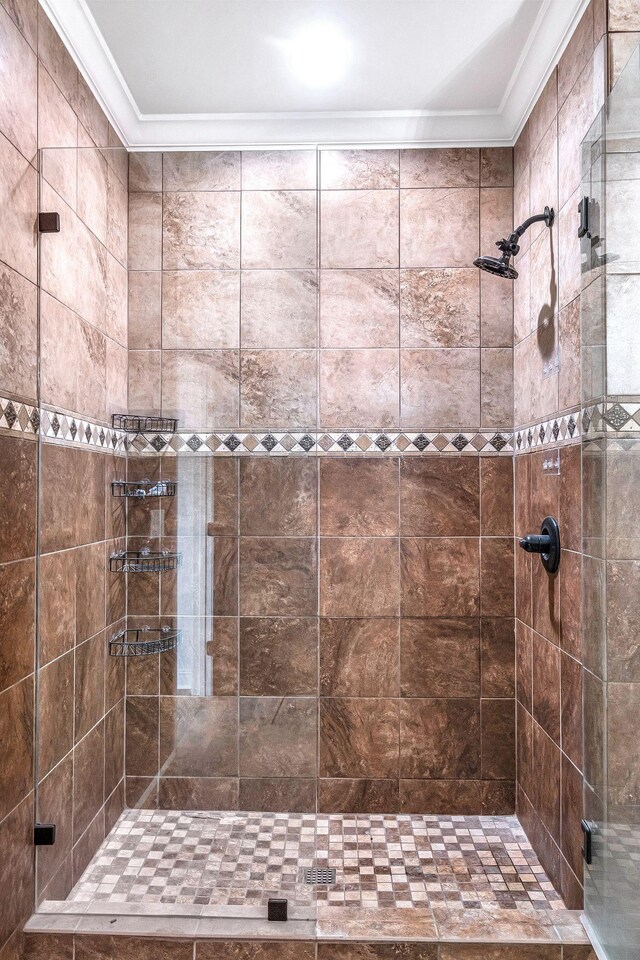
(611, 471)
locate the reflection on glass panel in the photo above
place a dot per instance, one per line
(611, 504)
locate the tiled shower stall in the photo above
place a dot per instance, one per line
(360, 670)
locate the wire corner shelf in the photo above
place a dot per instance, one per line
(144, 641)
(144, 561)
(131, 423)
(141, 489)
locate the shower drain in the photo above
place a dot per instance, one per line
(320, 875)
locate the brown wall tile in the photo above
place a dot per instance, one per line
(278, 737)
(278, 498)
(278, 576)
(359, 738)
(358, 498)
(440, 739)
(17, 621)
(359, 658)
(352, 571)
(17, 723)
(17, 520)
(440, 577)
(198, 737)
(428, 651)
(440, 497)
(278, 656)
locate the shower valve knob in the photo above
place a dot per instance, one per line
(546, 543)
(536, 543)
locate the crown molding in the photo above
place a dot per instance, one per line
(549, 36)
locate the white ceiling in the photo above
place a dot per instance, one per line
(187, 73)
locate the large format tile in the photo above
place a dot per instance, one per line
(18, 472)
(19, 320)
(440, 658)
(359, 657)
(18, 199)
(145, 172)
(278, 388)
(440, 388)
(200, 387)
(278, 576)
(16, 856)
(200, 171)
(359, 738)
(57, 138)
(279, 170)
(88, 780)
(200, 309)
(278, 737)
(198, 737)
(279, 308)
(278, 498)
(278, 656)
(17, 621)
(358, 497)
(18, 88)
(356, 573)
(200, 231)
(145, 309)
(359, 308)
(440, 497)
(17, 728)
(440, 577)
(145, 231)
(440, 307)
(358, 387)
(438, 227)
(440, 167)
(359, 169)
(278, 229)
(359, 228)
(440, 739)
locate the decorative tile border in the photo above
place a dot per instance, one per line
(320, 443)
(617, 419)
(614, 419)
(557, 431)
(19, 417)
(67, 429)
(22, 418)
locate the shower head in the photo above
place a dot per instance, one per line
(498, 266)
(501, 266)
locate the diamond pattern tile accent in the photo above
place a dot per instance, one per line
(617, 416)
(10, 414)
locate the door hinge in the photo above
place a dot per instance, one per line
(277, 909)
(44, 834)
(49, 222)
(587, 849)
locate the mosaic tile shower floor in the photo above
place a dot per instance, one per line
(190, 857)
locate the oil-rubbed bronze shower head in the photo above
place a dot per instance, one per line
(502, 266)
(498, 266)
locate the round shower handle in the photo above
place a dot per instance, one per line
(546, 543)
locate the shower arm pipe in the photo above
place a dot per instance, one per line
(511, 244)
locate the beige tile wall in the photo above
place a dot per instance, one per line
(259, 300)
